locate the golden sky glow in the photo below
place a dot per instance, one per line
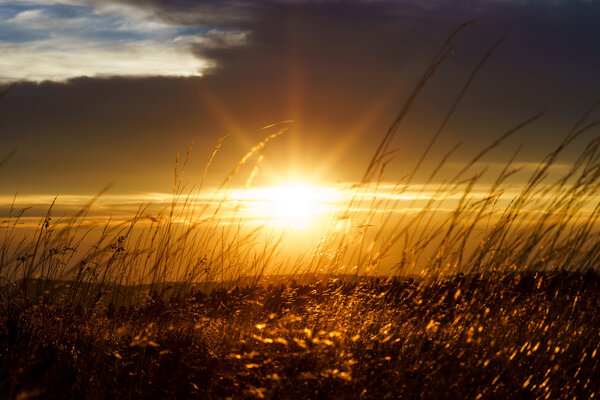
(292, 222)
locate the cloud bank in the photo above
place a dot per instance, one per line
(61, 40)
(340, 69)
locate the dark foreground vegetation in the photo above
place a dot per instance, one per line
(530, 335)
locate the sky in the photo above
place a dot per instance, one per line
(109, 91)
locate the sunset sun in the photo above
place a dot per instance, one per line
(292, 204)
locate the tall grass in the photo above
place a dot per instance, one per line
(548, 225)
(467, 277)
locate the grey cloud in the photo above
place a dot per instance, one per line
(339, 69)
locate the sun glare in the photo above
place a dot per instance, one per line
(292, 204)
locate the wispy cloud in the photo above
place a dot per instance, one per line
(60, 40)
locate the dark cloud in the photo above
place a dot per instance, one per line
(339, 69)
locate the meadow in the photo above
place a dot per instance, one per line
(474, 293)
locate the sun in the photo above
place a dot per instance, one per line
(292, 204)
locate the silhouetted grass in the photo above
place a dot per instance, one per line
(490, 297)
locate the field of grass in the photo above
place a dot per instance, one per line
(506, 336)
(470, 296)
